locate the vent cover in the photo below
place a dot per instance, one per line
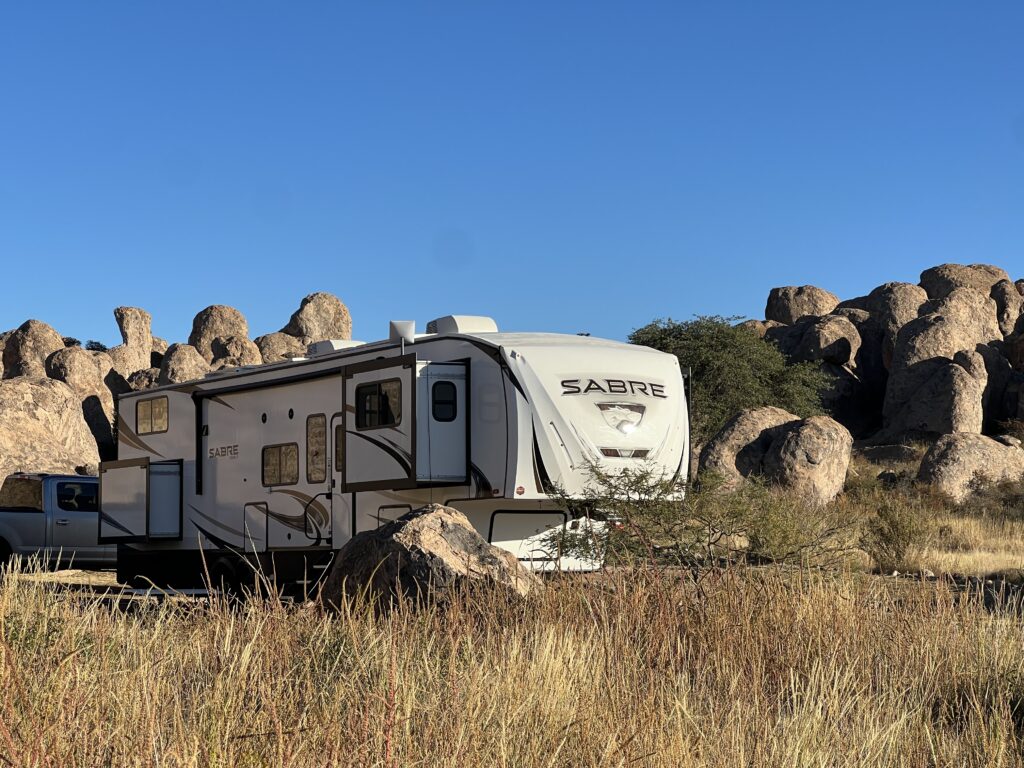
(462, 324)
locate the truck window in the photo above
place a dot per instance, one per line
(281, 464)
(379, 404)
(78, 497)
(316, 448)
(22, 493)
(151, 415)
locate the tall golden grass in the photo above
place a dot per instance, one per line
(747, 667)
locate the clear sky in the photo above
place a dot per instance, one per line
(560, 166)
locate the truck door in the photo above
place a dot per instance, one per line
(380, 425)
(443, 434)
(74, 522)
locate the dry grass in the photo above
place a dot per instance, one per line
(976, 546)
(635, 668)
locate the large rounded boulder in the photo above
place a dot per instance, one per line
(955, 463)
(181, 363)
(424, 553)
(892, 306)
(235, 351)
(738, 449)
(810, 458)
(27, 348)
(789, 303)
(216, 321)
(276, 347)
(93, 378)
(43, 429)
(320, 316)
(942, 280)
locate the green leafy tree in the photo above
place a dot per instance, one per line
(733, 369)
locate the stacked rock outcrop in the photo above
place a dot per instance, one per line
(941, 358)
(57, 398)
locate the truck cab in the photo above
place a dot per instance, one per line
(54, 517)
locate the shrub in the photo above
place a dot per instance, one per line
(897, 533)
(95, 346)
(733, 369)
(659, 521)
(71, 341)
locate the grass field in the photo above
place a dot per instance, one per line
(750, 667)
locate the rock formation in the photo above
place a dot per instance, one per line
(182, 362)
(27, 348)
(423, 552)
(43, 429)
(216, 321)
(955, 462)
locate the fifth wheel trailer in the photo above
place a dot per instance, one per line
(278, 466)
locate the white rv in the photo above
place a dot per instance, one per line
(281, 464)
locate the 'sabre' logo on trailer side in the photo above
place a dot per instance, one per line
(625, 417)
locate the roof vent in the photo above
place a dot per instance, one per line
(327, 346)
(462, 324)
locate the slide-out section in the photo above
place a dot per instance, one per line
(140, 500)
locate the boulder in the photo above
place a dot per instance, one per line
(829, 339)
(789, 303)
(234, 351)
(892, 306)
(789, 338)
(42, 429)
(961, 320)
(275, 347)
(1014, 351)
(93, 378)
(810, 458)
(182, 363)
(1020, 286)
(146, 379)
(135, 353)
(320, 316)
(935, 396)
(216, 321)
(1009, 304)
(954, 463)
(739, 447)
(426, 551)
(27, 348)
(941, 280)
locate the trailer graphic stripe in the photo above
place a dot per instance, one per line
(387, 449)
(107, 519)
(128, 435)
(217, 523)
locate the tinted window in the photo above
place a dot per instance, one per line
(379, 404)
(78, 497)
(339, 443)
(444, 404)
(151, 415)
(316, 448)
(281, 464)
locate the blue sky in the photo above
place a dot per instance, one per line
(560, 166)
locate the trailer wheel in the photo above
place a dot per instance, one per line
(225, 580)
(6, 553)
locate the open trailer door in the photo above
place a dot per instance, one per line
(380, 425)
(140, 500)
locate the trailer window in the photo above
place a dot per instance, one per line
(379, 404)
(151, 416)
(316, 448)
(281, 464)
(339, 443)
(78, 497)
(443, 396)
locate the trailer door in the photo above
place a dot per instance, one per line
(380, 425)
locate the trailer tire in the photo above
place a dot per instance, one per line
(225, 579)
(6, 553)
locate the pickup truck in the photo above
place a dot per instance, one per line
(55, 517)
